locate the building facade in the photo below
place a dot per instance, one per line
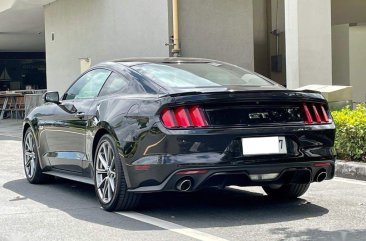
(294, 42)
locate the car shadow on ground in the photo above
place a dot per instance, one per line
(204, 209)
(225, 208)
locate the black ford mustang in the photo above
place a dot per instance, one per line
(179, 124)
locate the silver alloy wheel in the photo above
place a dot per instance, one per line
(29, 155)
(105, 172)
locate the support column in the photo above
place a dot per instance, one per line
(308, 42)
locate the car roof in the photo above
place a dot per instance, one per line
(141, 60)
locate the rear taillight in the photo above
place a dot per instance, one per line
(315, 113)
(308, 118)
(325, 114)
(197, 116)
(183, 117)
(167, 116)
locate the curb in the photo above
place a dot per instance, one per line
(353, 170)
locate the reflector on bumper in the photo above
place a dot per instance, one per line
(259, 177)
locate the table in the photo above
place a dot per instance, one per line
(11, 95)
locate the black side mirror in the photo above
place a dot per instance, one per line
(52, 97)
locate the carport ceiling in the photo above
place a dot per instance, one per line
(348, 11)
(22, 25)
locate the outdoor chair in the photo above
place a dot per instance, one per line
(9, 109)
(2, 100)
(19, 107)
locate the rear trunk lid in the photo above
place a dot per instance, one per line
(254, 107)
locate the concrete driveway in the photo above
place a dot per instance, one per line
(65, 210)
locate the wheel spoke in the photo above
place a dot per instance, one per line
(104, 149)
(28, 147)
(30, 142)
(111, 156)
(30, 157)
(106, 155)
(29, 171)
(102, 161)
(111, 183)
(28, 162)
(105, 189)
(112, 162)
(101, 171)
(109, 190)
(101, 183)
(105, 172)
(32, 165)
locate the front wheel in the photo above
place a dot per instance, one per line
(287, 191)
(32, 168)
(109, 179)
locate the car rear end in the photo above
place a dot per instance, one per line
(256, 137)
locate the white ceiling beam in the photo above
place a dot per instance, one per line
(6, 4)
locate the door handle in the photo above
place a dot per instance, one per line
(80, 115)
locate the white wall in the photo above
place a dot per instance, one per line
(308, 42)
(276, 21)
(218, 29)
(101, 30)
(357, 43)
(340, 54)
(260, 32)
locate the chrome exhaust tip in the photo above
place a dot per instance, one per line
(184, 185)
(321, 176)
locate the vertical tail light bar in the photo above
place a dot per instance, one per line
(197, 116)
(309, 119)
(168, 118)
(325, 114)
(317, 113)
(183, 117)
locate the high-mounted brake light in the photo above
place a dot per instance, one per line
(183, 117)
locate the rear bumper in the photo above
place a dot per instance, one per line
(249, 175)
(154, 167)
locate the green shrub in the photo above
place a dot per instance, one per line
(351, 133)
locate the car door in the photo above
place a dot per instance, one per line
(67, 137)
(110, 107)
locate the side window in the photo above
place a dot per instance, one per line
(113, 84)
(88, 85)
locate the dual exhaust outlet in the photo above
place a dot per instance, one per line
(321, 176)
(184, 185)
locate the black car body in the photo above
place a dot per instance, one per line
(205, 149)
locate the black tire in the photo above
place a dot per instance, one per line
(121, 199)
(36, 176)
(288, 191)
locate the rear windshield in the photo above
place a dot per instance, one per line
(190, 75)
